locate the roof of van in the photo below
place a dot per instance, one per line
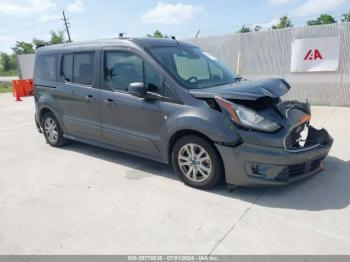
(143, 42)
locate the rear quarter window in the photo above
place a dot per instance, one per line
(46, 67)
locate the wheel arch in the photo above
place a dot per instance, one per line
(43, 111)
(45, 108)
(187, 132)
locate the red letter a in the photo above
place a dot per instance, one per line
(317, 54)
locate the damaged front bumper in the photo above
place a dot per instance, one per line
(256, 165)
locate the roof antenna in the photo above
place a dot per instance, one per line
(121, 35)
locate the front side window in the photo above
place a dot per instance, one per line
(79, 68)
(46, 67)
(192, 67)
(123, 68)
(152, 79)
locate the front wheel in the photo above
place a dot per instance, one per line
(197, 162)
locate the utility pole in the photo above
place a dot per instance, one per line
(66, 23)
(197, 34)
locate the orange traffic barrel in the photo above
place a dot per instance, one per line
(22, 87)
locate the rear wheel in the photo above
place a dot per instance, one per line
(52, 130)
(197, 162)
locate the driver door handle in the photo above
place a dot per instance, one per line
(109, 101)
(89, 98)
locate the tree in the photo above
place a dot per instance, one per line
(244, 29)
(284, 23)
(22, 47)
(257, 28)
(38, 42)
(156, 34)
(4, 61)
(57, 38)
(346, 17)
(323, 19)
(7, 62)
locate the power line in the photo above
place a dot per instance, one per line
(212, 29)
(123, 20)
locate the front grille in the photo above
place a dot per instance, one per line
(315, 164)
(293, 171)
(296, 170)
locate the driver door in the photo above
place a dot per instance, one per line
(129, 122)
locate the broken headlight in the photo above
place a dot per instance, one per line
(246, 117)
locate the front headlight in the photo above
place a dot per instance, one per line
(246, 117)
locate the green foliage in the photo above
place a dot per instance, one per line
(12, 72)
(283, 23)
(57, 37)
(156, 34)
(4, 61)
(8, 63)
(244, 29)
(38, 42)
(346, 17)
(4, 88)
(323, 19)
(257, 28)
(22, 47)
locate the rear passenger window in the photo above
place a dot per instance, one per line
(84, 68)
(79, 68)
(67, 68)
(46, 67)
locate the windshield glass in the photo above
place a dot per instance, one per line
(192, 67)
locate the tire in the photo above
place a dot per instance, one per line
(207, 168)
(52, 130)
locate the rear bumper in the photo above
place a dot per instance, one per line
(253, 165)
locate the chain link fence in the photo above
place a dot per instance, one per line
(268, 54)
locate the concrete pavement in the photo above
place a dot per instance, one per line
(86, 200)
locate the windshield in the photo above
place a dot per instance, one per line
(192, 67)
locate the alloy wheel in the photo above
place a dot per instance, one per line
(195, 162)
(51, 130)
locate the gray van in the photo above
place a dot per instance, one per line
(171, 102)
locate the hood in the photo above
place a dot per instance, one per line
(246, 90)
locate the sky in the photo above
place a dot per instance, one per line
(23, 20)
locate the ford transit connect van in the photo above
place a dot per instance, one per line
(170, 101)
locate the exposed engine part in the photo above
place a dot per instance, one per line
(296, 140)
(285, 106)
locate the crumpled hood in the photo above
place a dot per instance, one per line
(245, 90)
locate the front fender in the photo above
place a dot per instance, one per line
(202, 119)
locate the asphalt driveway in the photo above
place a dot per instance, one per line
(86, 200)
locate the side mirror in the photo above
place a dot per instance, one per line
(137, 89)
